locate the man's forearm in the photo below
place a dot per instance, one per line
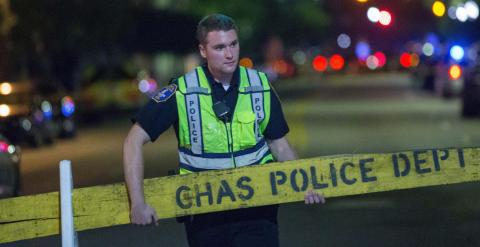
(281, 149)
(133, 170)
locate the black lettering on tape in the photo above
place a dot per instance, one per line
(396, 165)
(241, 184)
(180, 200)
(293, 180)
(364, 170)
(343, 174)
(315, 183)
(461, 159)
(223, 191)
(436, 156)
(274, 181)
(208, 193)
(419, 161)
(436, 162)
(333, 174)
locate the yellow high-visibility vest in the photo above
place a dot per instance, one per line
(208, 143)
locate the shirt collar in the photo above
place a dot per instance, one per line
(235, 77)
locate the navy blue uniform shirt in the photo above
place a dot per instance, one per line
(155, 118)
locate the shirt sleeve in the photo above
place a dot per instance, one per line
(277, 127)
(155, 118)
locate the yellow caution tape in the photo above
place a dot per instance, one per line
(102, 206)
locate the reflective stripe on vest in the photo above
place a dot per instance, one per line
(223, 161)
(193, 111)
(257, 100)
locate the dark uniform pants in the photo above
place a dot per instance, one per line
(238, 228)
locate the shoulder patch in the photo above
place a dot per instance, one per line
(165, 93)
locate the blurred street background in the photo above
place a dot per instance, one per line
(354, 76)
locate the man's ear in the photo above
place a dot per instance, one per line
(202, 50)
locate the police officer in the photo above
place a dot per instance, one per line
(225, 116)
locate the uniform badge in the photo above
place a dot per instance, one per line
(165, 93)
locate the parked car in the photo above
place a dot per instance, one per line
(9, 168)
(59, 108)
(21, 120)
(29, 117)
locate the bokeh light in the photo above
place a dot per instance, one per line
(455, 72)
(405, 60)
(433, 39)
(337, 62)
(344, 41)
(461, 14)
(3, 147)
(452, 12)
(4, 110)
(320, 63)
(428, 49)
(373, 14)
(381, 57)
(362, 50)
(385, 18)
(457, 52)
(68, 106)
(438, 8)
(372, 62)
(246, 62)
(143, 86)
(47, 109)
(5, 88)
(472, 10)
(280, 66)
(11, 149)
(414, 60)
(299, 57)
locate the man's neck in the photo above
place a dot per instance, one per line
(224, 79)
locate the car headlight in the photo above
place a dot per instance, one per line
(4, 110)
(5, 88)
(47, 109)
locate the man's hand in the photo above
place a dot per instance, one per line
(143, 214)
(312, 197)
(282, 151)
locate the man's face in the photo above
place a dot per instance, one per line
(221, 50)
